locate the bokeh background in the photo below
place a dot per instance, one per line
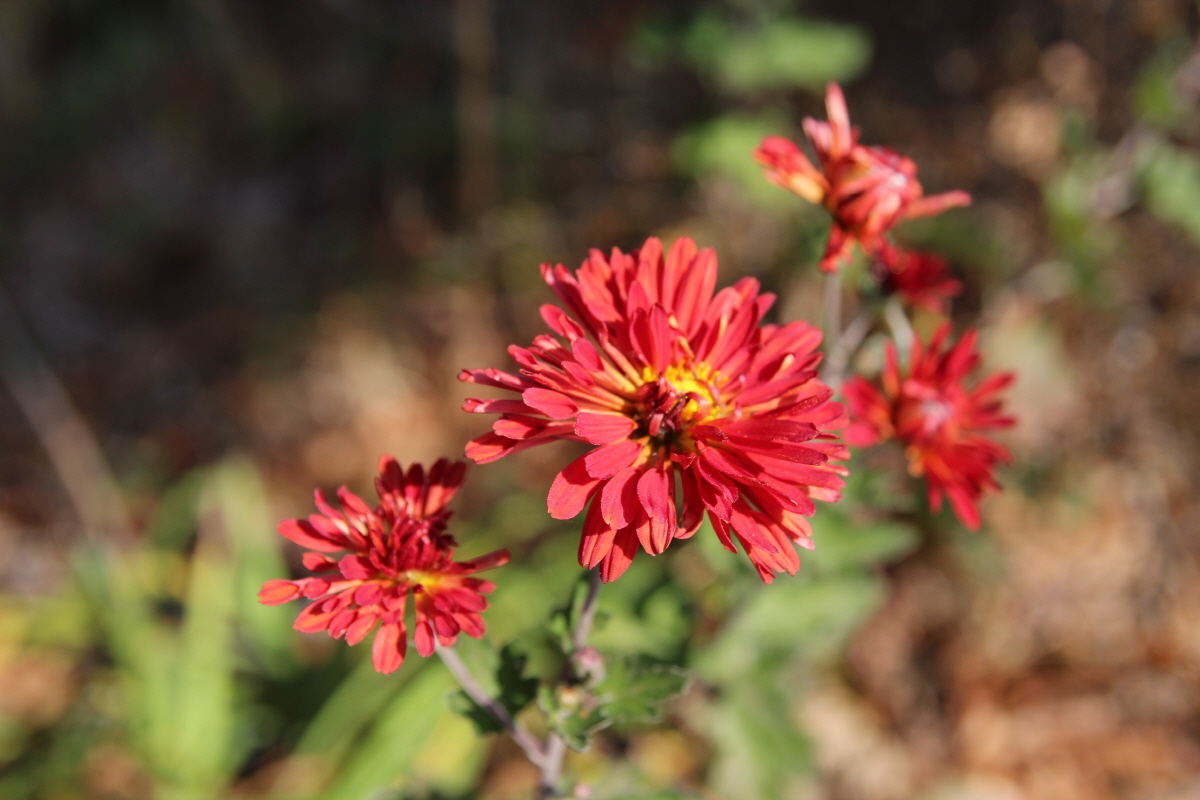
(246, 246)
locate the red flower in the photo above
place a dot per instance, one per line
(921, 279)
(673, 386)
(400, 548)
(867, 190)
(940, 421)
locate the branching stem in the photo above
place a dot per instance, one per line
(556, 748)
(524, 739)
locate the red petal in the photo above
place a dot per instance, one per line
(304, 534)
(585, 353)
(620, 555)
(356, 568)
(607, 460)
(597, 537)
(387, 653)
(570, 490)
(278, 591)
(654, 489)
(602, 428)
(619, 503)
(554, 405)
(361, 627)
(310, 620)
(496, 559)
(318, 563)
(368, 594)
(423, 636)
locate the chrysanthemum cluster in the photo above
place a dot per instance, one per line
(690, 403)
(399, 549)
(689, 406)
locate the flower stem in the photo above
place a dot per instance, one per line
(556, 751)
(587, 614)
(556, 748)
(844, 349)
(524, 739)
(902, 330)
(833, 306)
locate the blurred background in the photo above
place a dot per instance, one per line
(246, 247)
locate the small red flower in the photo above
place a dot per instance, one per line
(680, 391)
(920, 279)
(938, 419)
(399, 549)
(867, 190)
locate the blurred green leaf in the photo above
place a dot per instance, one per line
(174, 522)
(349, 710)
(394, 741)
(724, 147)
(1156, 98)
(236, 493)
(759, 746)
(1170, 181)
(807, 615)
(178, 682)
(789, 53)
(841, 544)
(1085, 244)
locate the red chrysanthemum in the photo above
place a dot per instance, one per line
(673, 385)
(922, 280)
(939, 420)
(400, 548)
(867, 190)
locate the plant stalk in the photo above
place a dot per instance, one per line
(556, 748)
(534, 750)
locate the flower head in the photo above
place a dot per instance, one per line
(939, 420)
(867, 190)
(687, 400)
(397, 550)
(920, 279)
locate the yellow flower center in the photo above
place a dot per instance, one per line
(682, 395)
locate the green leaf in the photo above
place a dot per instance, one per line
(725, 147)
(841, 544)
(632, 690)
(565, 619)
(236, 493)
(400, 731)
(758, 746)
(1170, 182)
(805, 616)
(1156, 98)
(790, 53)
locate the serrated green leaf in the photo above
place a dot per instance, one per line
(634, 689)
